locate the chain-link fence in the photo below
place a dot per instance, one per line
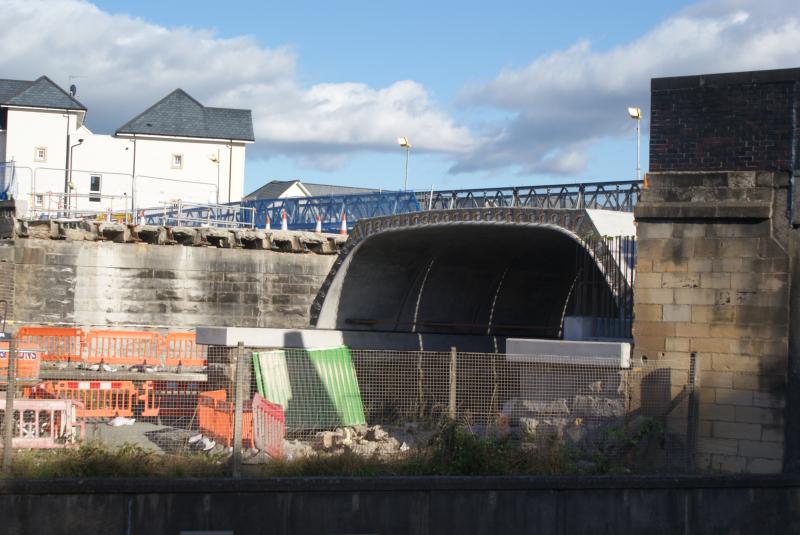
(160, 394)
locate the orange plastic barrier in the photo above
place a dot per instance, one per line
(182, 350)
(169, 398)
(149, 399)
(26, 363)
(269, 426)
(45, 423)
(100, 399)
(215, 417)
(54, 343)
(124, 347)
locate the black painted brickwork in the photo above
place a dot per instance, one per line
(732, 122)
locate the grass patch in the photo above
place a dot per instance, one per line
(94, 460)
(454, 450)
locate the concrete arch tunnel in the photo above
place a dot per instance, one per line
(491, 277)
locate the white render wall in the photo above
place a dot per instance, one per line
(200, 179)
(27, 129)
(156, 179)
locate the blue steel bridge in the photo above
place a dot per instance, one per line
(301, 213)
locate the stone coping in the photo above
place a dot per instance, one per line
(383, 484)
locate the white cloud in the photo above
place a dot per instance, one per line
(564, 101)
(130, 63)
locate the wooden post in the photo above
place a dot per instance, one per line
(8, 421)
(240, 387)
(453, 376)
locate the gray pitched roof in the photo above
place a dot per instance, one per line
(320, 190)
(275, 188)
(40, 93)
(178, 114)
(270, 190)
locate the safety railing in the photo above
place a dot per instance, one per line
(617, 195)
(56, 205)
(178, 213)
(302, 213)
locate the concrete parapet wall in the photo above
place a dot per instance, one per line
(712, 279)
(404, 505)
(102, 282)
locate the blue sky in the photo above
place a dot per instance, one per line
(442, 45)
(490, 94)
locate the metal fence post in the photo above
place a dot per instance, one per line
(240, 387)
(8, 421)
(453, 376)
(692, 416)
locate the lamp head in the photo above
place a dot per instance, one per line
(403, 142)
(635, 113)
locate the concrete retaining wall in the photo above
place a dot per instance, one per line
(99, 283)
(403, 505)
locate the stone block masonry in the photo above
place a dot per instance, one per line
(713, 280)
(106, 283)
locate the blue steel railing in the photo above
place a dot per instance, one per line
(619, 196)
(302, 212)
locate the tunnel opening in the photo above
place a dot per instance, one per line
(482, 280)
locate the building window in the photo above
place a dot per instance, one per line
(177, 161)
(40, 154)
(39, 199)
(94, 188)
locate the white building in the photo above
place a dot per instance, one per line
(176, 149)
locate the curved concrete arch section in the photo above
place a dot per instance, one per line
(465, 279)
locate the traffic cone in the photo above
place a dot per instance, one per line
(266, 223)
(284, 222)
(318, 228)
(343, 228)
(108, 216)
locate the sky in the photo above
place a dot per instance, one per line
(489, 93)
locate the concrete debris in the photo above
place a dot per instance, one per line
(593, 406)
(296, 449)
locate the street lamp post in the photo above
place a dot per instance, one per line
(403, 142)
(636, 113)
(70, 184)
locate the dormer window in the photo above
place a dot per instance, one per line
(40, 154)
(177, 161)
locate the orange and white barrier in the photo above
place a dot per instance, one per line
(181, 350)
(269, 426)
(318, 226)
(45, 423)
(99, 399)
(124, 347)
(54, 343)
(343, 227)
(215, 418)
(284, 221)
(266, 224)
